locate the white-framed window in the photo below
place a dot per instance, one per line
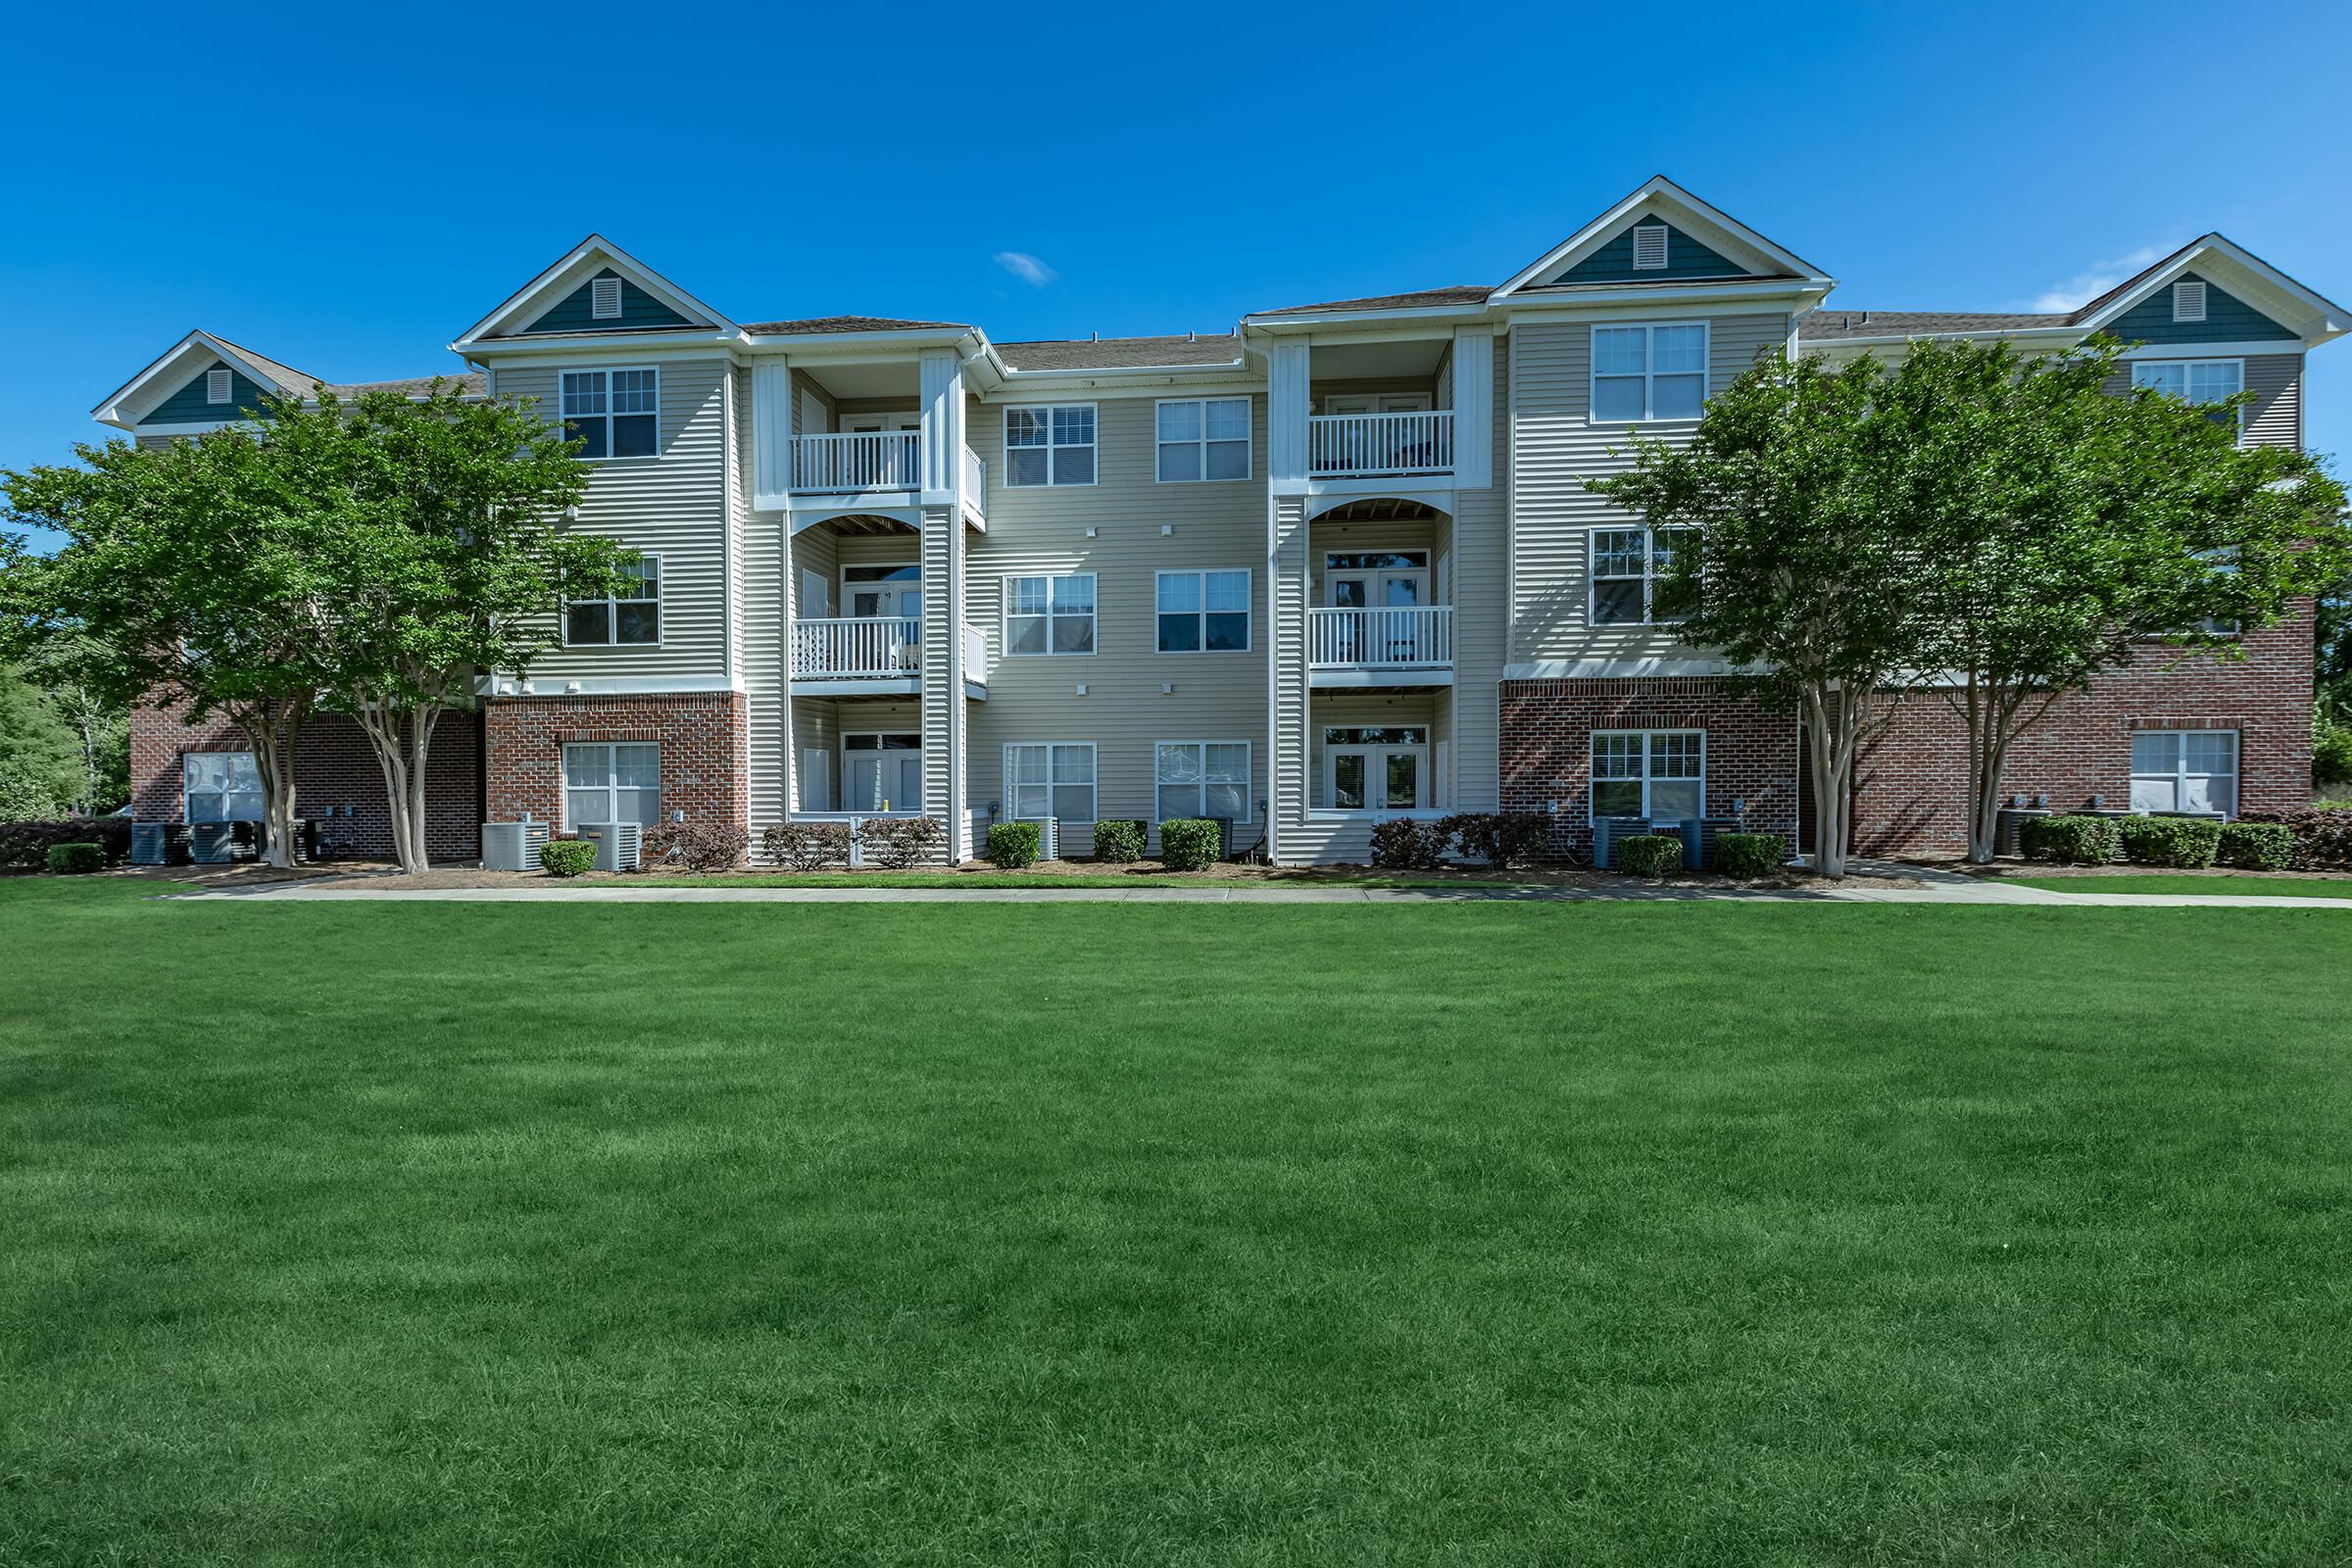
(1048, 615)
(1202, 611)
(219, 787)
(2189, 300)
(1203, 438)
(611, 782)
(1649, 247)
(1628, 564)
(218, 384)
(1050, 444)
(2195, 381)
(1657, 773)
(2184, 770)
(1376, 767)
(630, 618)
(1650, 372)
(613, 413)
(1200, 778)
(603, 299)
(1050, 778)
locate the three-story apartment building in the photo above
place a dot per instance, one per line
(1338, 564)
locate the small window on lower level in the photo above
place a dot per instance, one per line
(1660, 773)
(2184, 770)
(612, 783)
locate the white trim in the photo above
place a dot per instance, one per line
(1651, 234)
(1594, 780)
(1648, 577)
(1248, 778)
(1615, 668)
(2214, 351)
(607, 371)
(1202, 443)
(171, 362)
(2188, 306)
(1660, 189)
(600, 307)
(1005, 614)
(1649, 370)
(2332, 319)
(1201, 616)
(540, 688)
(620, 261)
(564, 786)
(2180, 773)
(1095, 446)
(1094, 786)
(842, 750)
(1375, 755)
(2141, 365)
(612, 614)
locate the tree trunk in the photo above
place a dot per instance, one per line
(1996, 711)
(421, 723)
(271, 732)
(382, 727)
(1831, 720)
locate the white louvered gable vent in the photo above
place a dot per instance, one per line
(1649, 247)
(604, 299)
(2189, 300)
(216, 384)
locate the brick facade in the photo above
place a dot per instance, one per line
(1546, 758)
(1910, 787)
(334, 771)
(704, 740)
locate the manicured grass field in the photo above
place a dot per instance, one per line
(1718, 1233)
(2223, 884)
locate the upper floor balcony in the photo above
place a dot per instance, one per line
(1403, 443)
(874, 656)
(857, 463)
(1395, 645)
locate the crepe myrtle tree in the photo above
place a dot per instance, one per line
(192, 575)
(1801, 572)
(450, 561)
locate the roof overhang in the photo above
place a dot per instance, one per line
(589, 257)
(2317, 318)
(1709, 222)
(124, 407)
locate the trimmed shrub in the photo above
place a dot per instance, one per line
(76, 860)
(566, 857)
(1749, 855)
(807, 845)
(2177, 841)
(895, 843)
(24, 846)
(1649, 854)
(1501, 838)
(698, 845)
(1190, 843)
(2258, 846)
(1013, 845)
(1402, 844)
(2070, 840)
(2323, 837)
(1120, 838)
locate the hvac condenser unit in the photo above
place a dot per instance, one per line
(1607, 830)
(212, 843)
(512, 846)
(150, 843)
(617, 844)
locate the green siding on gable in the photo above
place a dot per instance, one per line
(2228, 319)
(1685, 257)
(188, 406)
(575, 311)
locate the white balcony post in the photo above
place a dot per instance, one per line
(1473, 407)
(771, 432)
(942, 421)
(1287, 404)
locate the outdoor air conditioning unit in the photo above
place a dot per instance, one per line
(617, 844)
(1049, 845)
(2008, 826)
(1705, 829)
(1607, 830)
(212, 842)
(512, 846)
(151, 844)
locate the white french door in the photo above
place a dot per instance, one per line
(882, 772)
(1376, 768)
(1372, 581)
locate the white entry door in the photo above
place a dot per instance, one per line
(1376, 768)
(882, 772)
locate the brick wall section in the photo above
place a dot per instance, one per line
(705, 741)
(1547, 730)
(1910, 788)
(333, 768)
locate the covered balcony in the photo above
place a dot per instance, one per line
(1380, 586)
(850, 430)
(858, 612)
(1381, 411)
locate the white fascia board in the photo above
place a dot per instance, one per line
(2212, 351)
(540, 686)
(1202, 379)
(602, 349)
(1665, 191)
(1651, 301)
(1619, 668)
(643, 277)
(1308, 321)
(841, 344)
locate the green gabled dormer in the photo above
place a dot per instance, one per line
(1651, 250)
(2193, 309)
(196, 403)
(606, 302)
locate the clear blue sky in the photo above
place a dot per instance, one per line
(346, 188)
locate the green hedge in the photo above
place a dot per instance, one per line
(1120, 838)
(566, 857)
(2071, 840)
(1749, 855)
(1651, 855)
(807, 845)
(2322, 836)
(76, 860)
(2258, 846)
(1013, 845)
(1190, 843)
(2178, 841)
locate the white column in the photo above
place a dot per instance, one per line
(1288, 403)
(942, 421)
(771, 432)
(1473, 407)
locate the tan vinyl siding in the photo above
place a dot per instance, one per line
(1217, 526)
(675, 505)
(2275, 419)
(1558, 447)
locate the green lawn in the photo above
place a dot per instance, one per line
(1583, 1232)
(2217, 884)
(1025, 879)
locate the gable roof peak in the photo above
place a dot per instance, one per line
(534, 296)
(1658, 191)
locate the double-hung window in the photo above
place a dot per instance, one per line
(612, 783)
(2197, 382)
(631, 618)
(1204, 612)
(1050, 614)
(1201, 778)
(1203, 438)
(1050, 779)
(1629, 565)
(220, 787)
(1649, 372)
(1658, 773)
(1050, 444)
(2184, 770)
(613, 413)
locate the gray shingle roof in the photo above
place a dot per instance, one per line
(284, 375)
(1119, 352)
(846, 324)
(1830, 324)
(1419, 299)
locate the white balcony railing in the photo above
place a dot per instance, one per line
(858, 648)
(1420, 638)
(1372, 444)
(858, 461)
(975, 481)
